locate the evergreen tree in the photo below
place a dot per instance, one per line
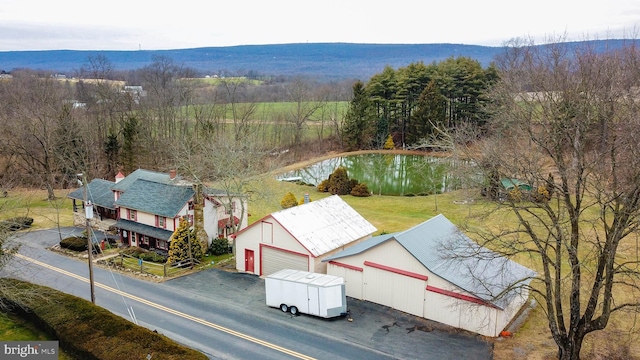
(183, 244)
(359, 122)
(112, 151)
(388, 144)
(130, 134)
(430, 113)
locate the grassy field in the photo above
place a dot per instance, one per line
(391, 214)
(13, 328)
(33, 203)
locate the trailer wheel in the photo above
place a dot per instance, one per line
(284, 308)
(294, 310)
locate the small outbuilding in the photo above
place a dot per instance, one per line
(300, 237)
(435, 271)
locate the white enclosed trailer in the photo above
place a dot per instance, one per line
(305, 292)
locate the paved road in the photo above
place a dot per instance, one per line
(203, 310)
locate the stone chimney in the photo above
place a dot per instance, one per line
(172, 174)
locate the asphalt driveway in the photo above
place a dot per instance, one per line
(387, 330)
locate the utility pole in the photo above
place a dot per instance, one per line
(88, 213)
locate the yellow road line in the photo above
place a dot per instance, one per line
(171, 311)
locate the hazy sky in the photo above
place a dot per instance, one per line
(136, 24)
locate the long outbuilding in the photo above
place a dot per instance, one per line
(435, 271)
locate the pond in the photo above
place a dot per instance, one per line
(387, 174)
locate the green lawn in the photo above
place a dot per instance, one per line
(13, 328)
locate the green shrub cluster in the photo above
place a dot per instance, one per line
(144, 254)
(219, 246)
(77, 243)
(87, 331)
(153, 256)
(16, 223)
(339, 183)
(361, 190)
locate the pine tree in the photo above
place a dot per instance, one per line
(359, 122)
(388, 144)
(183, 244)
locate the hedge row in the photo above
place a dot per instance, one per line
(88, 331)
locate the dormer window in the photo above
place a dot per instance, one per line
(132, 214)
(161, 221)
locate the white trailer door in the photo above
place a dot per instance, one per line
(314, 300)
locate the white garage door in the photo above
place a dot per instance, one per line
(398, 291)
(274, 260)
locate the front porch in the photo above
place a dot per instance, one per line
(97, 223)
(144, 236)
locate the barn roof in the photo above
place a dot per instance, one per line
(445, 251)
(98, 191)
(324, 225)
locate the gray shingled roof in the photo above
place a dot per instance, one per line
(98, 192)
(141, 174)
(155, 198)
(144, 229)
(445, 251)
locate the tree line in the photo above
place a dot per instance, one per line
(414, 102)
(105, 121)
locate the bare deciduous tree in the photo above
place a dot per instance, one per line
(242, 106)
(566, 120)
(306, 103)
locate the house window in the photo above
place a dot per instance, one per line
(162, 244)
(161, 222)
(132, 214)
(144, 240)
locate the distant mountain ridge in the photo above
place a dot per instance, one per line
(321, 60)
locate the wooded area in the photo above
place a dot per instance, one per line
(161, 116)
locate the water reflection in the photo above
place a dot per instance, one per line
(388, 174)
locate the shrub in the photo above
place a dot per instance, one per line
(219, 246)
(323, 186)
(339, 183)
(388, 144)
(144, 254)
(288, 201)
(153, 256)
(361, 190)
(75, 243)
(133, 251)
(16, 223)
